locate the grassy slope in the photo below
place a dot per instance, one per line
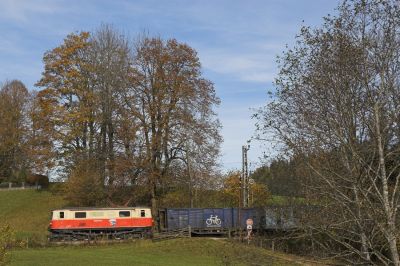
(195, 251)
(28, 211)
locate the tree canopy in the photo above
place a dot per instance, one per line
(139, 111)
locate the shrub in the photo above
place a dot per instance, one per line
(6, 240)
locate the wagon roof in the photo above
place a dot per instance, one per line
(97, 208)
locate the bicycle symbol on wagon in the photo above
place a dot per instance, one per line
(213, 221)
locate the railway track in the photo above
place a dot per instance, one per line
(88, 237)
(178, 233)
(89, 242)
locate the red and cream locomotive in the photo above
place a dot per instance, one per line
(91, 223)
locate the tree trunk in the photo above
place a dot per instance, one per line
(364, 247)
(154, 207)
(391, 228)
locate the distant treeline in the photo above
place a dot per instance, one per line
(281, 177)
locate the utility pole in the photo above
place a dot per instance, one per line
(245, 176)
(190, 176)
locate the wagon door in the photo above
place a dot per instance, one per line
(196, 218)
(177, 218)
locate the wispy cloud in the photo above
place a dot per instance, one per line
(262, 77)
(256, 66)
(23, 10)
(10, 47)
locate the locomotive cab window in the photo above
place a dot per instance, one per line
(80, 215)
(61, 215)
(124, 214)
(142, 213)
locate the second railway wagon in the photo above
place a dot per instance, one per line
(208, 220)
(225, 220)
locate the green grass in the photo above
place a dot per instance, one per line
(28, 211)
(194, 251)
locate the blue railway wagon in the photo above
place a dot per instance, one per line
(200, 218)
(209, 219)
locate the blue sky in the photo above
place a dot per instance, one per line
(237, 42)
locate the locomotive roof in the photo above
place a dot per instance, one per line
(98, 208)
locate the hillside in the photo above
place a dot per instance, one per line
(28, 211)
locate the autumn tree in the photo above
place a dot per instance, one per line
(25, 148)
(337, 107)
(85, 185)
(65, 101)
(141, 109)
(231, 194)
(174, 106)
(14, 131)
(110, 59)
(78, 104)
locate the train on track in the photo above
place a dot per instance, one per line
(93, 223)
(137, 222)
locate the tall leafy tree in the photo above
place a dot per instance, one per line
(66, 101)
(174, 107)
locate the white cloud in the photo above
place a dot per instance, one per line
(259, 77)
(258, 66)
(8, 46)
(20, 10)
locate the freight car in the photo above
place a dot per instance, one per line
(92, 223)
(207, 220)
(226, 220)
